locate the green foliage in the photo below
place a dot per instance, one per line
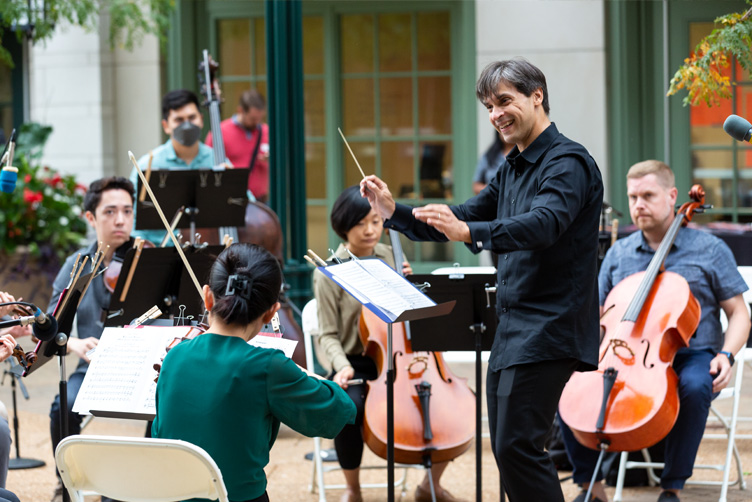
(44, 211)
(701, 72)
(130, 20)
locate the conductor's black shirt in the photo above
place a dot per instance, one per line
(540, 214)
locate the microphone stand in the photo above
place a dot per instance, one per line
(18, 462)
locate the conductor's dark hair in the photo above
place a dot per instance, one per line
(349, 208)
(519, 73)
(254, 266)
(177, 99)
(94, 194)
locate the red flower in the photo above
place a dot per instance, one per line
(31, 197)
(27, 178)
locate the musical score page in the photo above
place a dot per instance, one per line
(121, 374)
(374, 282)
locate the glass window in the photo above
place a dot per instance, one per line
(720, 164)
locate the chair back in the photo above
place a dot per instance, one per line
(309, 323)
(138, 469)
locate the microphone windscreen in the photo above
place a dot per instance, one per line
(8, 178)
(738, 128)
(47, 330)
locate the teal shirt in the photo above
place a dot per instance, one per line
(166, 158)
(228, 397)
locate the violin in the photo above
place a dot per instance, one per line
(112, 273)
(435, 408)
(632, 402)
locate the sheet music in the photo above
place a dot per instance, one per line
(375, 282)
(121, 375)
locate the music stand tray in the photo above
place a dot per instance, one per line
(213, 198)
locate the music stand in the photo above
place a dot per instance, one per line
(212, 198)
(382, 283)
(475, 295)
(19, 462)
(159, 279)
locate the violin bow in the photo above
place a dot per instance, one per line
(95, 263)
(167, 225)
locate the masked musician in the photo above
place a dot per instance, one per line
(228, 397)
(182, 122)
(108, 208)
(703, 368)
(339, 337)
(540, 215)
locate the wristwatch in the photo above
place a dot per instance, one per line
(729, 355)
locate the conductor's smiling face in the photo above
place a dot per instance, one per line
(113, 218)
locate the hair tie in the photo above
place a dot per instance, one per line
(239, 285)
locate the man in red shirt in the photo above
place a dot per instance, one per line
(246, 140)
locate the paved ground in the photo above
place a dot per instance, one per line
(289, 473)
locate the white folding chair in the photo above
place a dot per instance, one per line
(138, 469)
(310, 323)
(728, 423)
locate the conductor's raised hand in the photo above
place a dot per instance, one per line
(440, 217)
(378, 196)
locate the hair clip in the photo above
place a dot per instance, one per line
(239, 285)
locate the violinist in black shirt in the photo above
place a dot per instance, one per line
(540, 215)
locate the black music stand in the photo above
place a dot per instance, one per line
(160, 279)
(19, 462)
(390, 282)
(212, 198)
(475, 312)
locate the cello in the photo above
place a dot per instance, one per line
(262, 226)
(429, 399)
(646, 319)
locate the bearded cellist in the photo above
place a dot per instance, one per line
(703, 368)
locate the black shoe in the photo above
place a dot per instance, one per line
(581, 497)
(667, 496)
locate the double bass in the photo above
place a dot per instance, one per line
(631, 402)
(433, 405)
(262, 226)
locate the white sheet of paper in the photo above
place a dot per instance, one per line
(121, 375)
(373, 281)
(270, 342)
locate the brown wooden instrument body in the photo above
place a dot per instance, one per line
(644, 404)
(632, 401)
(452, 403)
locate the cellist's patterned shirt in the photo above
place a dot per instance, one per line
(704, 260)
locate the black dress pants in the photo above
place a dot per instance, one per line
(522, 403)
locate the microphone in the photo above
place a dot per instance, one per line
(45, 326)
(9, 174)
(738, 128)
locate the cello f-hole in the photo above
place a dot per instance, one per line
(645, 357)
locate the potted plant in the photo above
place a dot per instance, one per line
(40, 222)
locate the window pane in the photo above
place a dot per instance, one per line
(315, 157)
(313, 45)
(437, 251)
(433, 41)
(318, 226)
(357, 107)
(397, 168)
(231, 92)
(435, 170)
(395, 42)
(313, 97)
(357, 43)
(234, 46)
(366, 155)
(396, 106)
(259, 68)
(434, 105)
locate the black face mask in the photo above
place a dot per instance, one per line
(186, 134)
